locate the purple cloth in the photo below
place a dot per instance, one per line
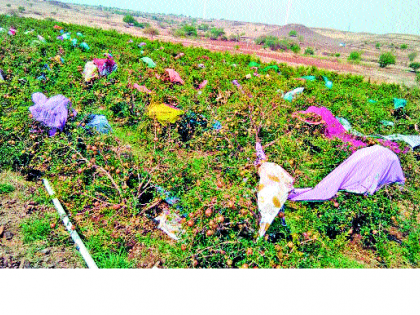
(52, 112)
(236, 83)
(260, 153)
(333, 127)
(365, 171)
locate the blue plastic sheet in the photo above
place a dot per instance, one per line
(309, 77)
(84, 46)
(217, 125)
(100, 123)
(399, 103)
(167, 196)
(328, 83)
(41, 77)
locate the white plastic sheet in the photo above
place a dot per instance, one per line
(273, 190)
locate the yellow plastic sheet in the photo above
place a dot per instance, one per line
(163, 113)
(57, 59)
(273, 190)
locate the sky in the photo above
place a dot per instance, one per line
(371, 16)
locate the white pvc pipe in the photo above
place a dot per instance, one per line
(76, 238)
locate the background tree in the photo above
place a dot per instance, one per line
(415, 66)
(412, 56)
(129, 19)
(386, 59)
(355, 56)
(293, 33)
(309, 51)
(190, 30)
(215, 33)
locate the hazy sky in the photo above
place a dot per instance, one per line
(373, 16)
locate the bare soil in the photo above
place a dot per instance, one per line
(15, 208)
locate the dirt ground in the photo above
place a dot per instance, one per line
(15, 208)
(326, 42)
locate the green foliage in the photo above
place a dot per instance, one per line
(415, 66)
(386, 59)
(412, 56)
(205, 168)
(234, 37)
(6, 188)
(8, 5)
(418, 78)
(355, 56)
(21, 9)
(36, 229)
(293, 33)
(337, 55)
(114, 260)
(215, 33)
(203, 27)
(157, 18)
(377, 45)
(275, 43)
(262, 39)
(404, 46)
(129, 19)
(190, 30)
(295, 48)
(309, 51)
(178, 32)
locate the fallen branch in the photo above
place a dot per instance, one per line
(101, 169)
(157, 202)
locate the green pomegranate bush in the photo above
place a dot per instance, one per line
(107, 182)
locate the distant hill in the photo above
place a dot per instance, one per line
(60, 4)
(310, 37)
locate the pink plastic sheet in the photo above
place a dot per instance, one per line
(141, 88)
(174, 76)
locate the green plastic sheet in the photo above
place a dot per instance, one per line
(149, 62)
